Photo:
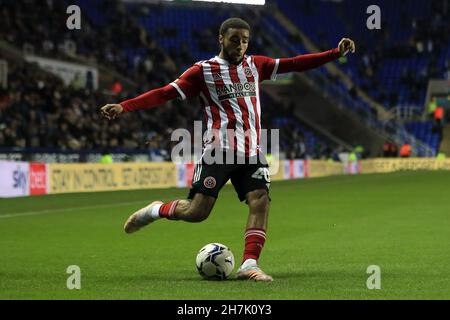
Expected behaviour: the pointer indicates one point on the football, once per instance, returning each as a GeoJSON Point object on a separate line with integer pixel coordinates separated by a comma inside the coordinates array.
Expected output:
{"type": "Point", "coordinates": [215, 261]}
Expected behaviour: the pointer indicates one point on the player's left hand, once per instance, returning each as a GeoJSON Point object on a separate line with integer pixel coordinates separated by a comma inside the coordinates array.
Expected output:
{"type": "Point", "coordinates": [346, 45]}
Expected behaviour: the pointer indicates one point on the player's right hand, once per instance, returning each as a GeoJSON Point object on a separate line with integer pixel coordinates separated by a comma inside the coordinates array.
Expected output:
{"type": "Point", "coordinates": [346, 45]}
{"type": "Point", "coordinates": [111, 111]}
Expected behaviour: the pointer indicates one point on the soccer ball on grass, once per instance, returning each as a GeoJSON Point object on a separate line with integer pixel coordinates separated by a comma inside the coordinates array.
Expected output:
{"type": "Point", "coordinates": [215, 261]}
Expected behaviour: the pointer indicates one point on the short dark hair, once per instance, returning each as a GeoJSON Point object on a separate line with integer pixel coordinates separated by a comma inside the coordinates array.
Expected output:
{"type": "Point", "coordinates": [236, 23]}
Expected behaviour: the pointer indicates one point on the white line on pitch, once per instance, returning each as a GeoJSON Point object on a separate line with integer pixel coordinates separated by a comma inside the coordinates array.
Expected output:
{"type": "Point", "coordinates": [32, 213]}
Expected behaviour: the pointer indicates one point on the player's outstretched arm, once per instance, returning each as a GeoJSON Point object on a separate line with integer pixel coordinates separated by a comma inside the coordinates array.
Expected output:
{"type": "Point", "coordinates": [147, 100]}
{"type": "Point", "coordinates": [315, 60]}
{"type": "Point", "coordinates": [268, 67]}
{"type": "Point", "coordinates": [187, 85]}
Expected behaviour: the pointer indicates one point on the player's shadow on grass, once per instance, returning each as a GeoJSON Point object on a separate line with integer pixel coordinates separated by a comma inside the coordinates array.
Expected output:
{"type": "Point", "coordinates": [317, 274]}
{"type": "Point", "coordinates": [196, 278]}
{"type": "Point", "coordinates": [284, 275]}
{"type": "Point", "coordinates": [156, 277]}
{"type": "Point", "coordinates": [293, 275]}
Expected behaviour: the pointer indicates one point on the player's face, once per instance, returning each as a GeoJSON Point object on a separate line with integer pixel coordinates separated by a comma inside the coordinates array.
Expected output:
{"type": "Point", "coordinates": [234, 44]}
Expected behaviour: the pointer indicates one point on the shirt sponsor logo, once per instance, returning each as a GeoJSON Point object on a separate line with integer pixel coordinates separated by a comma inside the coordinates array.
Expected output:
{"type": "Point", "coordinates": [236, 90]}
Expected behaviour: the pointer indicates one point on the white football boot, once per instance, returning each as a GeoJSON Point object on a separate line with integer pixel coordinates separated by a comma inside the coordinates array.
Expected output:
{"type": "Point", "coordinates": [249, 270]}
{"type": "Point", "coordinates": [142, 217]}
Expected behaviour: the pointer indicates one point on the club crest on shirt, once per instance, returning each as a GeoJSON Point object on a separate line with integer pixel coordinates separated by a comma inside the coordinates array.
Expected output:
{"type": "Point", "coordinates": [209, 182]}
{"type": "Point", "coordinates": [217, 77]}
{"type": "Point", "coordinates": [248, 71]}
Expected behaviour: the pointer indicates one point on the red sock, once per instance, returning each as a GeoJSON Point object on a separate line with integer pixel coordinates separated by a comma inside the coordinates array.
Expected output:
{"type": "Point", "coordinates": [254, 242]}
{"type": "Point", "coordinates": [166, 210]}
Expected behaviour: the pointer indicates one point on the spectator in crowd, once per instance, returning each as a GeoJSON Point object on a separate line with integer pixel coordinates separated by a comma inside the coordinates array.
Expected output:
{"type": "Point", "coordinates": [359, 151]}
{"type": "Point", "coordinates": [405, 150]}
{"type": "Point", "coordinates": [432, 105]}
{"type": "Point", "coordinates": [439, 116]}
{"type": "Point", "coordinates": [116, 87]}
{"type": "Point", "coordinates": [77, 82]}
{"type": "Point", "coordinates": [106, 157]}
{"type": "Point", "coordinates": [390, 149]}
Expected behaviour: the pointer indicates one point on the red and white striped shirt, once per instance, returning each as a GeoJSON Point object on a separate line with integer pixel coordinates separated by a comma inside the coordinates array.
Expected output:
{"type": "Point", "coordinates": [230, 94]}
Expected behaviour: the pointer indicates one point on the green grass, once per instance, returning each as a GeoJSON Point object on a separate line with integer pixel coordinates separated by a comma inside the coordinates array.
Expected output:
{"type": "Point", "coordinates": [323, 234]}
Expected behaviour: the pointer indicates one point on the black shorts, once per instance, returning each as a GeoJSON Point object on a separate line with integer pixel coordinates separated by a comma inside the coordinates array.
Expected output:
{"type": "Point", "coordinates": [252, 175]}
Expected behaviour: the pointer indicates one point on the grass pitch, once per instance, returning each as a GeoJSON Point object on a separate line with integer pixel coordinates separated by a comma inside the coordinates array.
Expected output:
{"type": "Point", "coordinates": [323, 234]}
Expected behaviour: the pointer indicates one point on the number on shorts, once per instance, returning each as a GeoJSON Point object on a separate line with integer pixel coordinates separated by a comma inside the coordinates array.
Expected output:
{"type": "Point", "coordinates": [262, 173]}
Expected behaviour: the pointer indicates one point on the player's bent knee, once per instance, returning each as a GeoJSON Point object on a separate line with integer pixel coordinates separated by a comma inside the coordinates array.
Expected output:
{"type": "Point", "coordinates": [199, 213]}
{"type": "Point", "coordinates": [200, 208]}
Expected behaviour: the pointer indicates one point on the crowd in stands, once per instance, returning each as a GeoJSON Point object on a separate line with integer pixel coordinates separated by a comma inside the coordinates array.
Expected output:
{"type": "Point", "coordinates": [394, 62]}
{"type": "Point", "coordinates": [98, 41]}
{"type": "Point", "coordinates": [38, 111]}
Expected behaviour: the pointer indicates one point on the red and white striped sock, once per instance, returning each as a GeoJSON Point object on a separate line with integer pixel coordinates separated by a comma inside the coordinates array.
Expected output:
{"type": "Point", "coordinates": [254, 242]}
{"type": "Point", "coordinates": [167, 209]}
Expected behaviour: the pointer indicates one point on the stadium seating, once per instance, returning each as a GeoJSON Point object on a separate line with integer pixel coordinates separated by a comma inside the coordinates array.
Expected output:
{"type": "Point", "coordinates": [188, 35]}
{"type": "Point", "coordinates": [424, 131]}
{"type": "Point", "coordinates": [394, 68]}
{"type": "Point", "coordinates": [202, 44]}
{"type": "Point", "coordinates": [391, 52]}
